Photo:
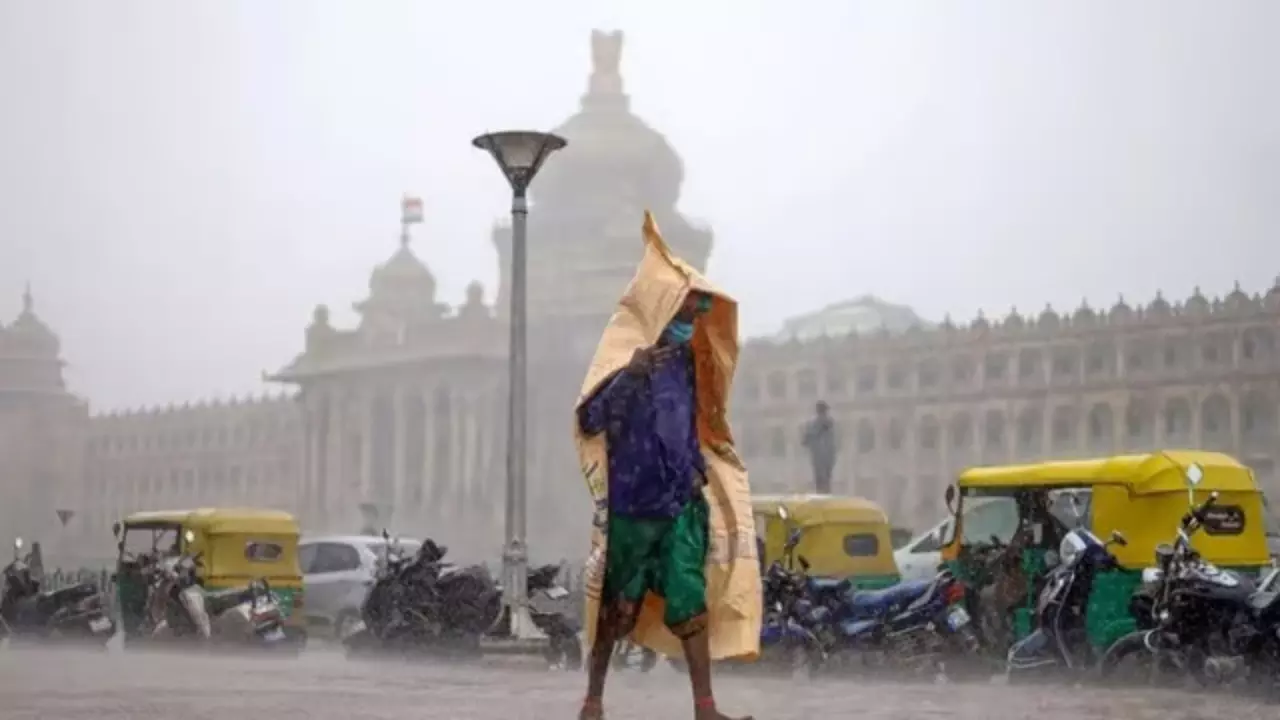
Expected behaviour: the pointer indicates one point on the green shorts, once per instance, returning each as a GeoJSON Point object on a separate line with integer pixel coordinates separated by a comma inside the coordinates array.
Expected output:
{"type": "Point", "coordinates": [666, 557]}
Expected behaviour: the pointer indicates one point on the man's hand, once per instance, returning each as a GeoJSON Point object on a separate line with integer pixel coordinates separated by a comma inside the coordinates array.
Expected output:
{"type": "Point", "coordinates": [644, 359]}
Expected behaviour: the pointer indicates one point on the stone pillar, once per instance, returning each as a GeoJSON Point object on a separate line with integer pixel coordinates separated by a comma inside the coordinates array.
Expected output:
{"type": "Point", "coordinates": [458, 455]}
{"type": "Point", "coordinates": [366, 405]}
{"type": "Point", "coordinates": [1233, 400]}
{"type": "Point", "coordinates": [1197, 430]}
{"type": "Point", "coordinates": [422, 495]}
{"type": "Point", "coordinates": [332, 479]}
{"type": "Point", "coordinates": [313, 449]}
{"type": "Point", "coordinates": [399, 404]}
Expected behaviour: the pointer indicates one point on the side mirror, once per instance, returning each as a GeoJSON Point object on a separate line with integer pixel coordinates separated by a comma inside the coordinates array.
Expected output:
{"type": "Point", "coordinates": [115, 528]}
{"type": "Point", "coordinates": [1118, 538]}
{"type": "Point", "coordinates": [784, 514]}
{"type": "Point", "coordinates": [189, 537]}
{"type": "Point", "coordinates": [950, 497]}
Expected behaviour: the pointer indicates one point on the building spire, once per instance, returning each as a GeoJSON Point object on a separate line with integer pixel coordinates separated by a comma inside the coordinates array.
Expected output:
{"type": "Point", "coordinates": [604, 87]}
{"type": "Point", "coordinates": [28, 304]}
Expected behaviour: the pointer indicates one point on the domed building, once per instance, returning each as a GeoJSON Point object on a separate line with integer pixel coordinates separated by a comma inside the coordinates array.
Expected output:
{"type": "Point", "coordinates": [42, 426]}
{"type": "Point", "coordinates": [403, 416]}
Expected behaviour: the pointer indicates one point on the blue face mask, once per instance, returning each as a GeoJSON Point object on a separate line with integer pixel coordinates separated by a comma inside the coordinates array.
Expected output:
{"type": "Point", "coordinates": [678, 333]}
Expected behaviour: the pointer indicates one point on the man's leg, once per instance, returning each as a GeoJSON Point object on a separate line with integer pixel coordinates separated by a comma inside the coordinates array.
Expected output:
{"type": "Point", "coordinates": [628, 575]}
{"type": "Point", "coordinates": [684, 587]}
{"type": "Point", "coordinates": [615, 620]}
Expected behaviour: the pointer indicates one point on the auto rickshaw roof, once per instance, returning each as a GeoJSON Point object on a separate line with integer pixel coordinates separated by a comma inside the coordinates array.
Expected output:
{"type": "Point", "coordinates": [817, 509]}
{"type": "Point", "coordinates": [1143, 474]}
{"type": "Point", "coordinates": [219, 521]}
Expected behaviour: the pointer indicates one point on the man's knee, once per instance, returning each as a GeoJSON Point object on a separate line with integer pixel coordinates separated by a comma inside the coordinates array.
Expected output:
{"type": "Point", "coordinates": [690, 627]}
{"type": "Point", "coordinates": [618, 618]}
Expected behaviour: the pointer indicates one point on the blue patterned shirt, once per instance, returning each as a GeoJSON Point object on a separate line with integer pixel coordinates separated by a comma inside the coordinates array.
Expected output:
{"type": "Point", "coordinates": [652, 434]}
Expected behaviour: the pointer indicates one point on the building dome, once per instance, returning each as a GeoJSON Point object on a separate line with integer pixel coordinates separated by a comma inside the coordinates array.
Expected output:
{"type": "Point", "coordinates": [860, 316]}
{"type": "Point", "coordinates": [28, 336]}
{"type": "Point", "coordinates": [403, 274]}
{"type": "Point", "coordinates": [609, 147]}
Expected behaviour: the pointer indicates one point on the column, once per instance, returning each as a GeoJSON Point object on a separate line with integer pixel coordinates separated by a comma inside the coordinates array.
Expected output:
{"type": "Point", "coordinates": [458, 453]}
{"type": "Point", "coordinates": [365, 404]}
{"type": "Point", "coordinates": [314, 444]}
{"type": "Point", "coordinates": [399, 404]}
{"type": "Point", "coordinates": [335, 472]}
{"type": "Point", "coordinates": [422, 495]}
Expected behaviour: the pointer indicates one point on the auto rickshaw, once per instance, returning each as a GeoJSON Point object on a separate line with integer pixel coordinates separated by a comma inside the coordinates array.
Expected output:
{"type": "Point", "coordinates": [843, 537]}
{"type": "Point", "coordinates": [236, 545]}
{"type": "Point", "coordinates": [1010, 520]}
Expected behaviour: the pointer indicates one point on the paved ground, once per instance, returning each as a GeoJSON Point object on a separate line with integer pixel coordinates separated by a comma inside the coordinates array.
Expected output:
{"type": "Point", "coordinates": [56, 684]}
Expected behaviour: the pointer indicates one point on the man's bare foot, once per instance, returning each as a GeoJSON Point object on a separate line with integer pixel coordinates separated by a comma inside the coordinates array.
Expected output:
{"type": "Point", "coordinates": [592, 710]}
{"type": "Point", "coordinates": [710, 713]}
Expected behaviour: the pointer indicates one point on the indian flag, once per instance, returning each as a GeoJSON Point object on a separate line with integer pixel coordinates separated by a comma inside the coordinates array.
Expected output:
{"type": "Point", "coordinates": [410, 210]}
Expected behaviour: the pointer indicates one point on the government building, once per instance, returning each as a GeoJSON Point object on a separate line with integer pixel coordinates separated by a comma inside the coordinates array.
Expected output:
{"type": "Point", "coordinates": [400, 420]}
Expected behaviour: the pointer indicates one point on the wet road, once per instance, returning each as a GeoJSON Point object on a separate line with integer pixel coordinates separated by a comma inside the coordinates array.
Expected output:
{"type": "Point", "coordinates": [321, 684]}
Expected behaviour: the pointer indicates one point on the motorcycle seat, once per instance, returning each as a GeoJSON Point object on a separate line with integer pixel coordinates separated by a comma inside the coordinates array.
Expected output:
{"type": "Point", "coordinates": [881, 601]}
{"type": "Point", "coordinates": [217, 602]}
{"type": "Point", "coordinates": [56, 599]}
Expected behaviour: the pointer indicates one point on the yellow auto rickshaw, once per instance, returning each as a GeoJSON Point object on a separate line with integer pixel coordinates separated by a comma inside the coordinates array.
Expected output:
{"type": "Point", "coordinates": [843, 537]}
{"type": "Point", "coordinates": [1009, 518]}
{"type": "Point", "coordinates": [236, 547]}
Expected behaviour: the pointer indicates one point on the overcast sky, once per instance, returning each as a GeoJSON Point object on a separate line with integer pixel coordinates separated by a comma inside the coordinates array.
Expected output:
{"type": "Point", "coordinates": [182, 182]}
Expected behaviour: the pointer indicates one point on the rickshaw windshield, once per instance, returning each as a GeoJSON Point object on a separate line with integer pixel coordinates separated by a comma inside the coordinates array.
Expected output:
{"type": "Point", "coordinates": [148, 539]}
{"type": "Point", "coordinates": [993, 515]}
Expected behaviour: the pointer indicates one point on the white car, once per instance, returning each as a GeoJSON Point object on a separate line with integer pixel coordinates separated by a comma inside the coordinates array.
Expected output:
{"type": "Point", "coordinates": [337, 571]}
{"type": "Point", "coordinates": [920, 557]}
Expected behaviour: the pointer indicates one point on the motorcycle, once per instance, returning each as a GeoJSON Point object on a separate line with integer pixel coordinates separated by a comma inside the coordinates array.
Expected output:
{"type": "Point", "coordinates": [179, 607]}
{"type": "Point", "coordinates": [75, 613]}
{"type": "Point", "coordinates": [1061, 638]}
{"type": "Point", "coordinates": [914, 626]}
{"type": "Point", "coordinates": [1198, 622]}
{"type": "Point", "coordinates": [553, 611]}
{"type": "Point", "coordinates": [422, 602]}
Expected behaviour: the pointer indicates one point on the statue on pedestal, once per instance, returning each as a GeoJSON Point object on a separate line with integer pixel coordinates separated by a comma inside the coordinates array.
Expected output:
{"type": "Point", "coordinates": [822, 442]}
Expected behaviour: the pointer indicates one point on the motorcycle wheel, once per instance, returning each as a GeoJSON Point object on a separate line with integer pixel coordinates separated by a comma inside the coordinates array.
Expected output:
{"type": "Point", "coordinates": [1131, 661]}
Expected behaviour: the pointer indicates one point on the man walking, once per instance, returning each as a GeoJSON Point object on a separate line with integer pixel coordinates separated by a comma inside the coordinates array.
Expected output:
{"type": "Point", "coordinates": [653, 508]}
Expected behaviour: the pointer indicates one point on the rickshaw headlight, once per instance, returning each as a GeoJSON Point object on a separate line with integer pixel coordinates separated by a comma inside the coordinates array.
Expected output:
{"type": "Point", "coordinates": [1070, 549]}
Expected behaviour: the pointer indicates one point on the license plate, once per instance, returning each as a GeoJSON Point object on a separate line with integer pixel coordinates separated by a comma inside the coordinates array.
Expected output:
{"type": "Point", "coordinates": [957, 618]}
{"type": "Point", "coordinates": [99, 625]}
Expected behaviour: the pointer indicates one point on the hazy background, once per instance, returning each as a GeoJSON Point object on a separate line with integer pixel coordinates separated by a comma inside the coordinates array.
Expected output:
{"type": "Point", "coordinates": [183, 181]}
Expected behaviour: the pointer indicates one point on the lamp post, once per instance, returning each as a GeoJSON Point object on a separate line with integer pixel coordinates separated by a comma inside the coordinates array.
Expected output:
{"type": "Point", "coordinates": [520, 155]}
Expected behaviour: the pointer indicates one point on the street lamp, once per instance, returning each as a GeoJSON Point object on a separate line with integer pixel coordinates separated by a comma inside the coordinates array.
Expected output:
{"type": "Point", "coordinates": [520, 155]}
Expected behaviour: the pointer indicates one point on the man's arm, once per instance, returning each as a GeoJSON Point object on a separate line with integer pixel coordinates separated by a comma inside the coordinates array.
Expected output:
{"type": "Point", "coordinates": [594, 414]}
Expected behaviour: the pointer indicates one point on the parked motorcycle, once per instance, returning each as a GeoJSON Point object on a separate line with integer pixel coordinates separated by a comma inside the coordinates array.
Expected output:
{"type": "Point", "coordinates": [914, 627]}
{"type": "Point", "coordinates": [179, 608]}
{"type": "Point", "coordinates": [421, 602]}
{"type": "Point", "coordinates": [555, 613]}
{"type": "Point", "coordinates": [73, 613]}
{"type": "Point", "coordinates": [1061, 637]}
{"type": "Point", "coordinates": [1198, 622]}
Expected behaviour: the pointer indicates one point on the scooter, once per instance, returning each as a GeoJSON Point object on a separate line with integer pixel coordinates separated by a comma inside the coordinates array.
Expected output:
{"type": "Point", "coordinates": [178, 606]}
{"type": "Point", "coordinates": [73, 613]}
